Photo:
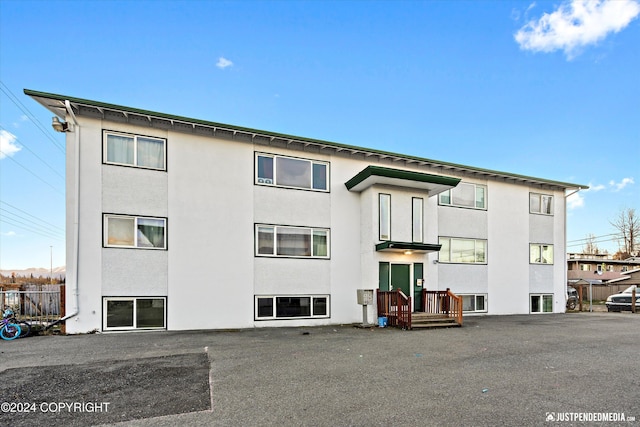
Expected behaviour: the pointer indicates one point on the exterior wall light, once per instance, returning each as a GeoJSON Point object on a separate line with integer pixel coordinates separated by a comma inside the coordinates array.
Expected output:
{"type": "Point", "coordinates": [59, 126]}
{"type": "Point", "coordinates": [408, 252]}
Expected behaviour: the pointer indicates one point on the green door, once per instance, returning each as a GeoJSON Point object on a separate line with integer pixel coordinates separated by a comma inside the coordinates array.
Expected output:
{"type": "Point", "coordinates": [383, 276]}
{"type": "Point", "coordinates": [401, 278]}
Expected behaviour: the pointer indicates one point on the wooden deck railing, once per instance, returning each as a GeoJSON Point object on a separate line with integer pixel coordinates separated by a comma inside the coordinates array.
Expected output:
{"type": "Point", "coordinates": [443, 302]}
{"type": "Point", "coordinates": [396, 307]}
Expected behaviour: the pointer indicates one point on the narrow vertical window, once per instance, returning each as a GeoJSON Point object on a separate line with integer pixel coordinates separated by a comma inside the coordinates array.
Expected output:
{"type": "Point", "coordinates": [265, 170]}
{"type": "Point", "coordinates": [385, 216]}
{"type": "Point", "coordinates": [418, 215]}
{"type": "Point", "coordinates": [319, 176]}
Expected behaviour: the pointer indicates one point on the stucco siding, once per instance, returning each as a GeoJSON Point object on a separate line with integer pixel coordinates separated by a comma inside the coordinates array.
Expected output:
{"type": "Point", "coordinates": [210, 230]}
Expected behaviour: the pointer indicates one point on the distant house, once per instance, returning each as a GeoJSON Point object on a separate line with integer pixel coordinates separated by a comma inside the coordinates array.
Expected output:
{"type": "Point", "coordinates": [179, 223]}
{"type": "Point", "coordinates": [600, 267]}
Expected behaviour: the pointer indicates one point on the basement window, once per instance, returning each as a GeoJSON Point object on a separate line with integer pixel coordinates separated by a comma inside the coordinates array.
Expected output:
{"type": "Point", "coordinates": [291, 306]}
{"type": "Point", "coordinates": [126, 313]}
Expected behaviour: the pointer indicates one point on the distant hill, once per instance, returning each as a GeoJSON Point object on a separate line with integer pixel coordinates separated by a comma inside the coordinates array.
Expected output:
{"type": "Point", "coordinates": [58, 272]}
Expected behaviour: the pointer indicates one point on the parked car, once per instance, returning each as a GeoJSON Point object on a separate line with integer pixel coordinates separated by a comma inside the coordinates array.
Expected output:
{"type": "Point", "coordinates": [622, 301]}
{"type": "Point", "coordinates": [572, 298]}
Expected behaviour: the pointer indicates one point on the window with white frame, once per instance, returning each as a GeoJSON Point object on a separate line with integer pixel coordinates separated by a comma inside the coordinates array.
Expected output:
{"type": "Point", "coordinates": [540, 204]}
{"type": "Point", "coordinates": [124, 231]}
{"type": "Point", "coordinates": [417, 218]}
{"type": "Point", "coordinates": [135, 150]}
{"type": "Point", "coordinates": [466, 251]}
{"type": "Point", "coordinates": [476, 303]}
{"type": "Point", "coordinates": [541, 303]}
{"type": "Point", "coordinates": [384, 215]}
{"type": "Point", "coordinates": [291, 172]}
{"type": "Point", "coordinates": [465, 195]}
{"type": "Point", "coordinates": [540, 253]}
{"type": "Point", "coordinates": [268, 307]}
{"type": "Point", "coordinates": [288, 241]}
{"type": "Point", "coordinates": [124, 313]}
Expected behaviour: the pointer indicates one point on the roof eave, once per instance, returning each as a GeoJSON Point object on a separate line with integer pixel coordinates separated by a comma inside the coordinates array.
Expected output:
{"type": "Point", "coordinates": [57, 108]}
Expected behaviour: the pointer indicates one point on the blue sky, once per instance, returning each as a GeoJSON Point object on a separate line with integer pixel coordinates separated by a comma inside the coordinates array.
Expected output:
{"type": "Point", "coordinates": [546, 89]}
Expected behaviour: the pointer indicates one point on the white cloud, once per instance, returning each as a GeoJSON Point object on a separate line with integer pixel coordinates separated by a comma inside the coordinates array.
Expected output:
{"type": "Point", "coordinates": [8, 146]}
{"type": "Point", "coordinates": [598, 187]}
{"type": "Point", "coordinates": [620, 185]}
{"type": "Point", "coordinates": [576, 24]}
{"type": "Point", "coordinates": [9, 234]}
{"type": "Point", "coordinates": [223, 63]}
{"type": "Point", "coordinates": [574, 201]}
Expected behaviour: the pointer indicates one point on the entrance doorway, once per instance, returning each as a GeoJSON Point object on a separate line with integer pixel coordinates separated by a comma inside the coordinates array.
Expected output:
{"type": "Point", "coordinates": [395, 276]}
{"type": "Point", "coordinates": [398, 276]}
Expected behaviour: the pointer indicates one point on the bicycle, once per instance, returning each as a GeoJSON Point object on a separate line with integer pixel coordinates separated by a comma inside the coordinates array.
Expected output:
{"type": "Point", "coordinates": [25, 327]}
{"type": "Point", "coordinates": [9, 330]}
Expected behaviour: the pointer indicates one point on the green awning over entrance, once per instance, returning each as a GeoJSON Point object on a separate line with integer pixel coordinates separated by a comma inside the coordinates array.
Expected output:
{"type": "Point", "coordinates": [433, 184]}
{"type": "Point", "coordinates": [407, 247]}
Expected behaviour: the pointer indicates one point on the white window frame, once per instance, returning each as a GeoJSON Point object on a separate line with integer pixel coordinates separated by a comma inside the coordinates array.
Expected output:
{"type": "Point", "coordinates": [540, 259]}
{"type": "Point", "coordinates": [475, 302]}
{"type": "Point", "coordinates": [540, 200]}
{"type": "Point", "coordinates": [450, 194]}
{"type": "Point", "coordinates": [275, 308]}
{"type": "Point", "coordinates": [384, 217]}
{"type": "Point", "coordinates": [272, 182]}
{"type": "Point", "coordinates": [136, 242]}
{"type": "Point", "coordinates": [105, 301]}
{"type": "Point", "coordinates": [541, 297]}
{"type": "Point", "coordinates": [417, 219]}
{"type": "Point", "coordinates": [135, 137]}
{"type": "Point", "coordinates": [275, 228]}
{"type": "Point", "coordinates": [446, 258]}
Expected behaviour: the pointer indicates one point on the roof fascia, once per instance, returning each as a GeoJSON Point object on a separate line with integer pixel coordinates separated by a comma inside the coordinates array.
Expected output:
{"type": "Point", "coordinates": [445, 166]}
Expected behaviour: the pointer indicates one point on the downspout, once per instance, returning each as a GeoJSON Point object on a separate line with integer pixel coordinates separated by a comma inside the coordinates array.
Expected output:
{"type": "Point", "coordinates": [566, 274]}
{"type": "Point", "coordinates": [76, 216]}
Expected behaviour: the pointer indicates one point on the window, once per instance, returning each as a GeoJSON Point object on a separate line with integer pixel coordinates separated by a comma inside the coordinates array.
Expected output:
{"type": "Point", "coordinates": [540, 254]}
{"type": "Point", "coordinates": [292, 172]}
{"type": "Point", "coordinates": [134, 150]}
{"type": "Point", "coordinates": [123, 231]}
{"type": "Point", "coordinates": [384, 203]}
{"type": "Point", "coordinates": [542, 303]}
{"type": "Point", "coordinates": [286, 241]}
{"type": "Point", "coordinates": [121, 313]}
{"type": "Point", "coordinates": [465, 195]}
{"type": "Point", "coordinates": [474, 303]}
{"type": "Point", "coordinates": [418, 214]}
{"type": "Point", "coordinates": [291, 306]}
{"type": "Point", "coordinates": [540, 204]}
{"type": "Point", "coordinates": [466, 251]}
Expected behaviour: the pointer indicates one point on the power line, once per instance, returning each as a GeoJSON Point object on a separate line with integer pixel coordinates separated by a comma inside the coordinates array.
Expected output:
{"type": "Point", "coordinates": [34, 228]}
{"type": "Point", "coordinates": [36, 155]}
{"type": "Point", "coordinates": [30, 115]}
{"type": "Point", "coordinates": [32, 216]}
{"type": "Point", "coordinates": [593, 237]}
{"type": "Point", "coordinates": [31, 172]}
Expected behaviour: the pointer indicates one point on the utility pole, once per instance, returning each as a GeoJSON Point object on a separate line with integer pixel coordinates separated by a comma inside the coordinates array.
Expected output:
{"type": "Point", "coordinates": [51, 266]}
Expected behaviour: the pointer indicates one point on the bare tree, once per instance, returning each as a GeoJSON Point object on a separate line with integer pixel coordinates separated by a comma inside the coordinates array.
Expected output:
{"type": "Point", "coordinates": [628, 225]}
{"type": "Point", "coordinates": [590, 246]}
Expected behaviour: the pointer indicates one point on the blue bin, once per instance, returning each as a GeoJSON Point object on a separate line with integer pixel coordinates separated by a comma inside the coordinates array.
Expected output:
{"type": "Point", "coordinates": [382, 322]}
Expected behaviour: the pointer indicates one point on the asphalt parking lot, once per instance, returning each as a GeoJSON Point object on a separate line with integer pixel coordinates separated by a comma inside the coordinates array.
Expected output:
{"type": "Point", "coordinates": [574, 369]}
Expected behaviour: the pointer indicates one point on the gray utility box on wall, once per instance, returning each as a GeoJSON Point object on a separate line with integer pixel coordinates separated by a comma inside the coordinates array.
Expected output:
{"type": "Point", "coordinates": [365, 298]}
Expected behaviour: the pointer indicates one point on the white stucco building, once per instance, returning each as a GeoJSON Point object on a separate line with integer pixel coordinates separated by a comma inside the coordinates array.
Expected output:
{"type": "Point", "coordinates": [180, 223]}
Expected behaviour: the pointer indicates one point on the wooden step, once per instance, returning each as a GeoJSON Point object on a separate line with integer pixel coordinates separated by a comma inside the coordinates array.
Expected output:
{"type": "Point", "coordinates": [427, 321]}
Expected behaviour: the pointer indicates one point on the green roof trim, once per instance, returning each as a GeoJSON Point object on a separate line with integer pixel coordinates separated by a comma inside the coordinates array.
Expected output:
{"type": "Point", "coordinates": [407, 246]}
{"type": "Point", "coordinates": [370, 171]}
{"type": "Point", "coordinates": [447, 165]}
